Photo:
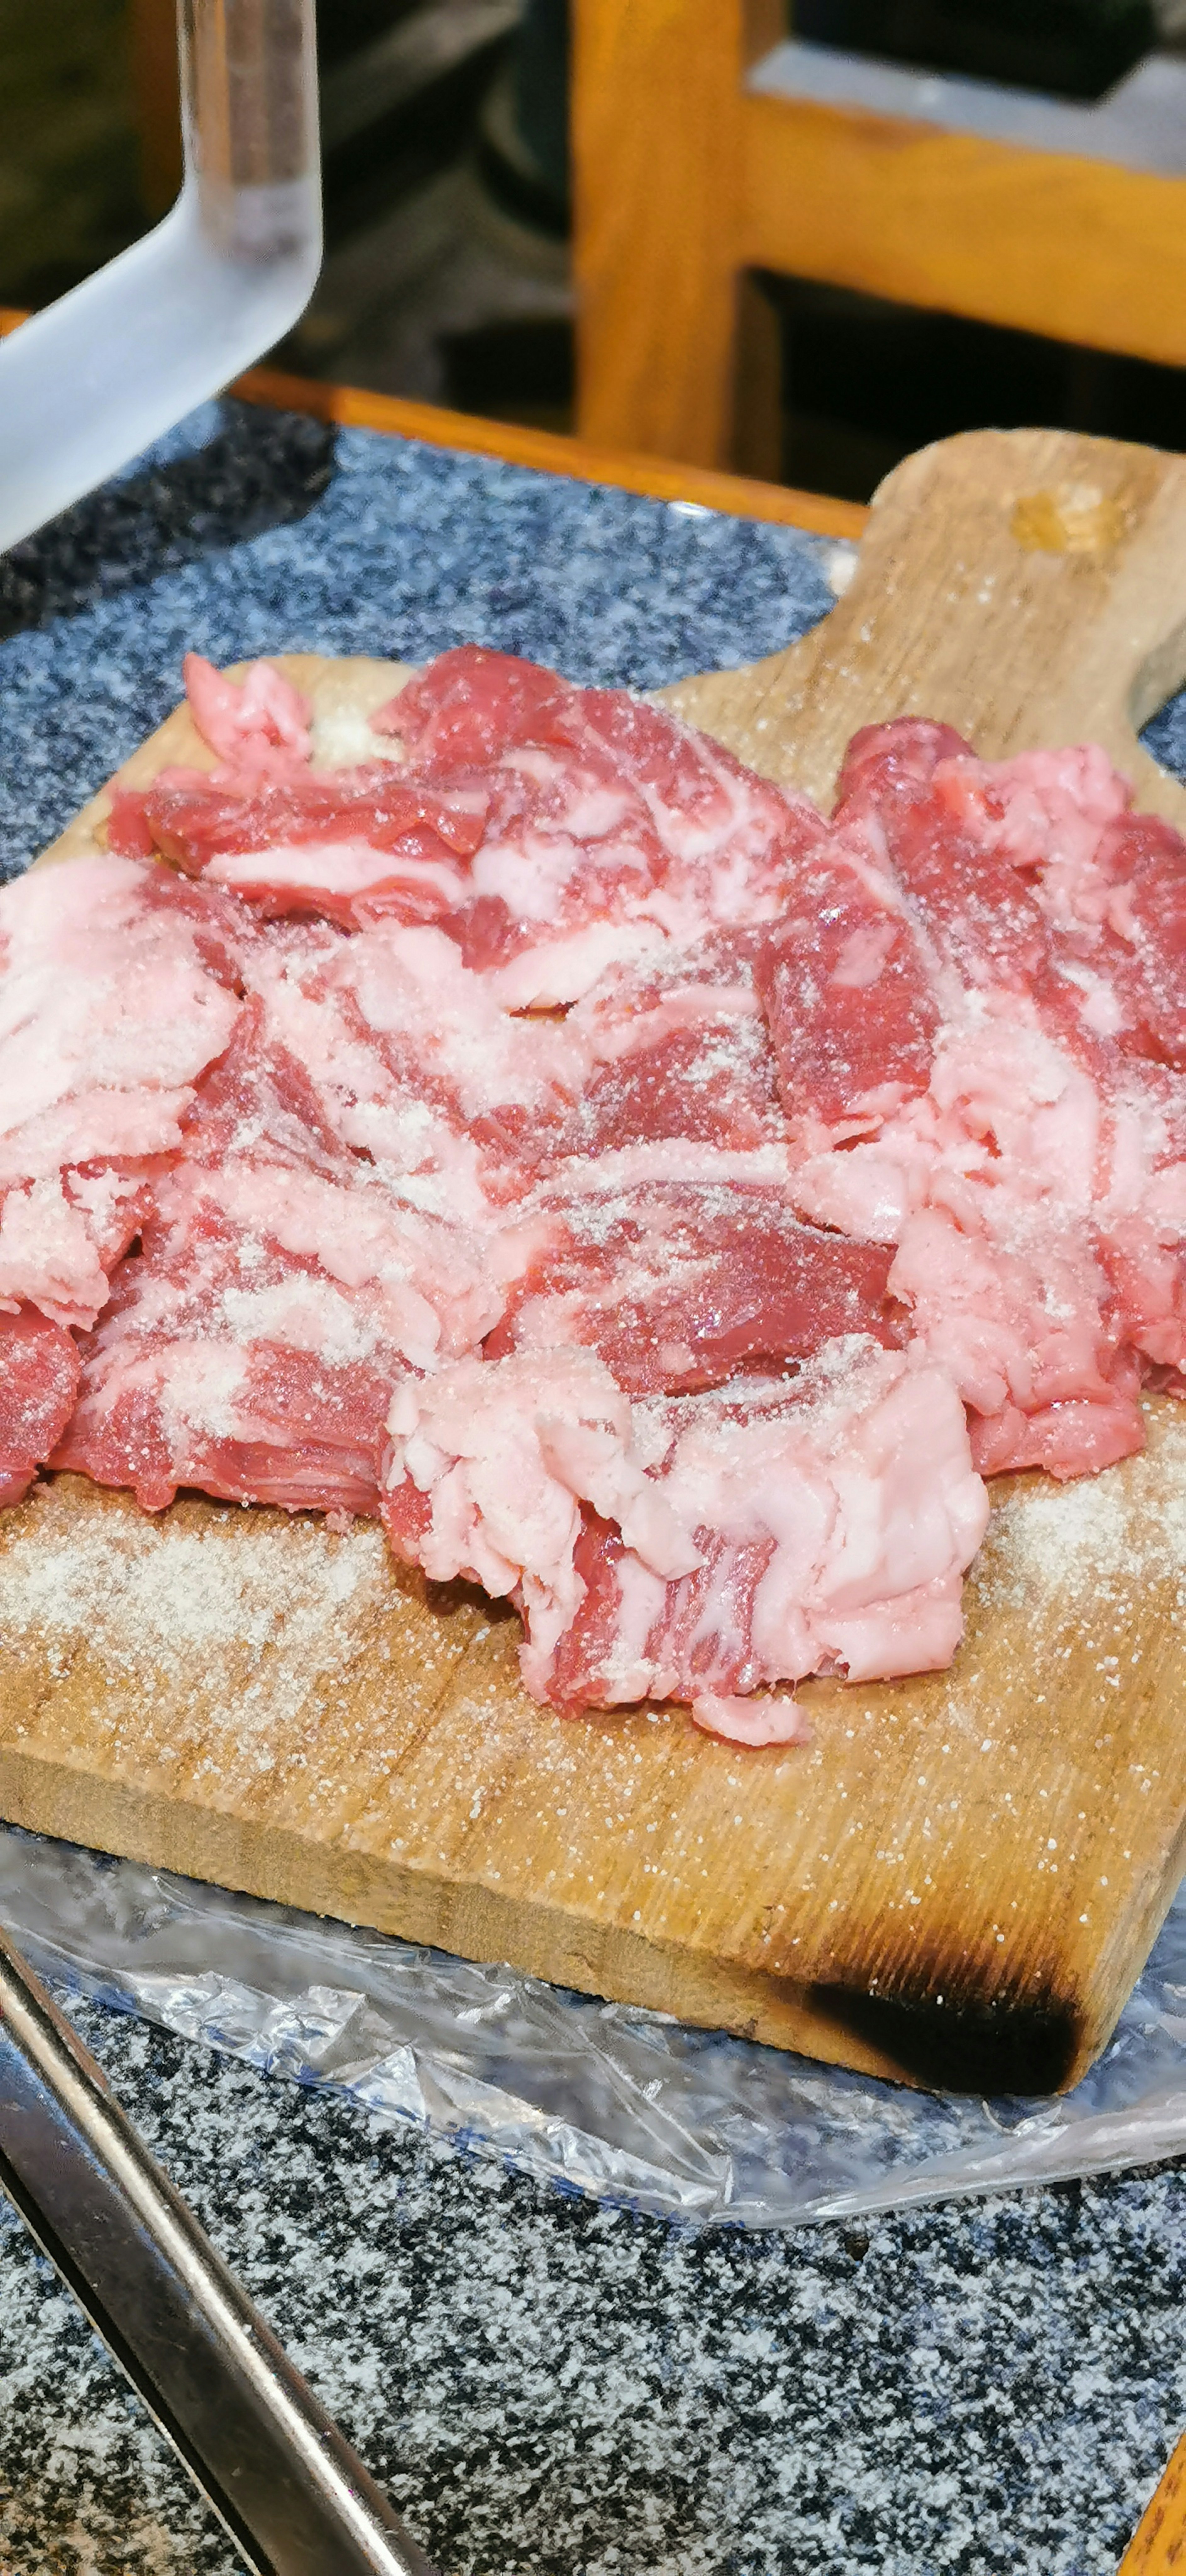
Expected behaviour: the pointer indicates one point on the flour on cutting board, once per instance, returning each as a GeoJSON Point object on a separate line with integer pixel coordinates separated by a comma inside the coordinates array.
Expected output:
{"type": "Point", "coordinates": [246, 1616]}
{"type": "Point", "coordinates": [243, 1615]}
{"type": "Point", "coordinates": [1110, 1535]}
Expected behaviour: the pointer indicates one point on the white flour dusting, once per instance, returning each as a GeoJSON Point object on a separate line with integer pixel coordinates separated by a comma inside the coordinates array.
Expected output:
{"type": "Point", "coordinates": [1113, 1533]}
{"type": "Point", "coordinates": [240, 1616]}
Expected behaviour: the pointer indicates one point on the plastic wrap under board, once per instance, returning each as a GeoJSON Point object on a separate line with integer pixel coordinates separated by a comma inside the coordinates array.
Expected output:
{"type": "Point", "coordinates": [627, 2105]}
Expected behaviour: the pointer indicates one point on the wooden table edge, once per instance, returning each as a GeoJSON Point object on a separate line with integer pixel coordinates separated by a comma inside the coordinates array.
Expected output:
{"type": "Point", "coordinates": [657, 478]}
{"type": "Point", "coordinates": [1158, 2545]}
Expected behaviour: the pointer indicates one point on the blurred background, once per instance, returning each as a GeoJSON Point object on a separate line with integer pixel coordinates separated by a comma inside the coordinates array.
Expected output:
{"type": "Point", "coordinates": [448, 269]}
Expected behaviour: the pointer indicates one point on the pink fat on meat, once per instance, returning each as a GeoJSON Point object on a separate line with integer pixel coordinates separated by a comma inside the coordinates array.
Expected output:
{"type": "Point", "coordinates": [966, 894]}
{"type": "Point", "coordinates": [679, 1048]}
{"type": "Point", "coordinates": [682, 1285]}
{"type": "Point", "coordinates": [988, 1186]}
{"type": "Point", "coordinates": [116, 993]}
{"type": "Point", "coordinates": [280, 1290]}
{"type": "Point", "coordinates": [613, 827]}
{"type": "Point", "coordinates": [39, 1372]}
{"type": "Point", "coordinates": [259, 726]}
{"type": "Point", "coordinates": [694, 1547]}
{"type": "Point", "coordinates": [415, 1066]}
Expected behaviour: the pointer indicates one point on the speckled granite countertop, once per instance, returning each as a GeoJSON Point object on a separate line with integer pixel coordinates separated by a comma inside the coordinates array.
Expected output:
{"type": "Point", "coordinates": [548, 2389]}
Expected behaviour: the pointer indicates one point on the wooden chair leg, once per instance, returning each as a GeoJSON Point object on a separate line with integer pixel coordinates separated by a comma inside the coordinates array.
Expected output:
{"type": "Point", "coordinates": [656, 124]}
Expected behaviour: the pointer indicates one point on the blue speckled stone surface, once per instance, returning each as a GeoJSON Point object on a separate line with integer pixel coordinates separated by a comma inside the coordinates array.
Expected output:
{"type": "Point", "coordinates": [255, 532]}
{"type": "Point", "coordinates": [548, 2389]}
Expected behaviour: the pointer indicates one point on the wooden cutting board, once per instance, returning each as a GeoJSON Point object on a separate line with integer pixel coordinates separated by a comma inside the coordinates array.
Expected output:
{"type": "Point", "coordinates": [960, 1879]}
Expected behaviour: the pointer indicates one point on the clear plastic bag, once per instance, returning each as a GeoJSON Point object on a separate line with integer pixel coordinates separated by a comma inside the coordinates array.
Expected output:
{"type": "Point", "coordinates": [626, 2105]}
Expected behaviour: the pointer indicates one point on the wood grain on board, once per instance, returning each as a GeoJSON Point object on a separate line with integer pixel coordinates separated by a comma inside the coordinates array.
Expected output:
{"type": "Point", "coordinates": [960, 1878]}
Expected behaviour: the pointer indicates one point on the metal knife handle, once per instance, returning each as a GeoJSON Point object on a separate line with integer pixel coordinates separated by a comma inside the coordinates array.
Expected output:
{"type": "Point", "coordinates": [288, 2488]}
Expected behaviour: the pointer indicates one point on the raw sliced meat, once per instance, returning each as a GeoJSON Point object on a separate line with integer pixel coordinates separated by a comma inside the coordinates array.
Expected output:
{"type": "Point", "coordinates": [988, 1185]}
{"type": "Point", "coordinates": [1111, 884]}
{"type": "Point", "coordinates": [1049, 813]}
{"type": "Point", "coordinates": [826, 1543]}
{"type": "Point", "coordinates": [1140, 1217]}
{"type": "Point", "coordinates": [1012, 1154]}
{"type": "Point", "coordinates": [470, 705]}
{"type": "Point", "coordinates": [683, 1287]}
{"type": "Point", "coordinates": [260, 1103]}
{"type": "Point", "coordinates": [115, 994]}
{"type": "Point", "coordinates": [39, 1372]}
{"type": "Point", "coordinates": [210, 1371]}
{"type": "Point", "coordinates": [251, 1346]}
{"type": "Point", "coordinates": [416, 1067]}
{"type": "Point", "coordinates": [553, 830]}
{"type": "Point", "coordinates": [678, 1047]}
{"type": "Point", "coordinates": [694, 1546]}
{"type": "Point", "coordinates": [612, 828]}
{"type": "Point", "coordinates": [281, 1289]}
{"type": "Point", "coordinates": [857, 1164]}
{"type": "Point", "coordinates": [360, 845]}
{"type": "Point", "coordinates": [968, 895]}
{"type": "Point", "coordinates": [1022, 1329]}
{"type": "Point", "coordinates": [849, 994]}
{"type": "Point", "coordinates": [1140, 955]}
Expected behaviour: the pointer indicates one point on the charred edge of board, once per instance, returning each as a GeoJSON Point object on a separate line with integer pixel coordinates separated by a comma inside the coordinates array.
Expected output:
{"type": "Point", "coordinates": [957, 2040]}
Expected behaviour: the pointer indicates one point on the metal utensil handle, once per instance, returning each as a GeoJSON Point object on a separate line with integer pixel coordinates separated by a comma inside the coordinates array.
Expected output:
{"type": "Point", "coordinates": [92, 380]}
{"type": "Point", "coordinates": [289, 2489]}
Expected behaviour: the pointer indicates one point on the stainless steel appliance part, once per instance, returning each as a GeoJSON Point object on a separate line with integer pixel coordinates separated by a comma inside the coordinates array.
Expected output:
{"type": "Point", "coordinates": [91, 381]}
{"type": "Point", "coordinates": [288, 2488]}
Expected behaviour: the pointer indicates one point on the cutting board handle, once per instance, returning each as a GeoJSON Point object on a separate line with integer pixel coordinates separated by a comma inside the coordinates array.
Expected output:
{"type": "Point", "coordinates": [1027, 586]}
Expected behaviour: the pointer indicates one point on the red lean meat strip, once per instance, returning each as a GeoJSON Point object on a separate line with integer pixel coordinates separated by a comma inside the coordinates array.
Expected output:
{"type": "Point", "coordinates": [968, 895]}
{"type": "Point", "coordinates": [39, 1370]}
{"type": "Point", "coordinates": [681, 1286]}
{"type": "Point", "coordinates": [678, 1048]}
{"type": "Point", "coordinates": [854, 1028]}
{"type": "Point", "coordinates": [695, 1547]}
